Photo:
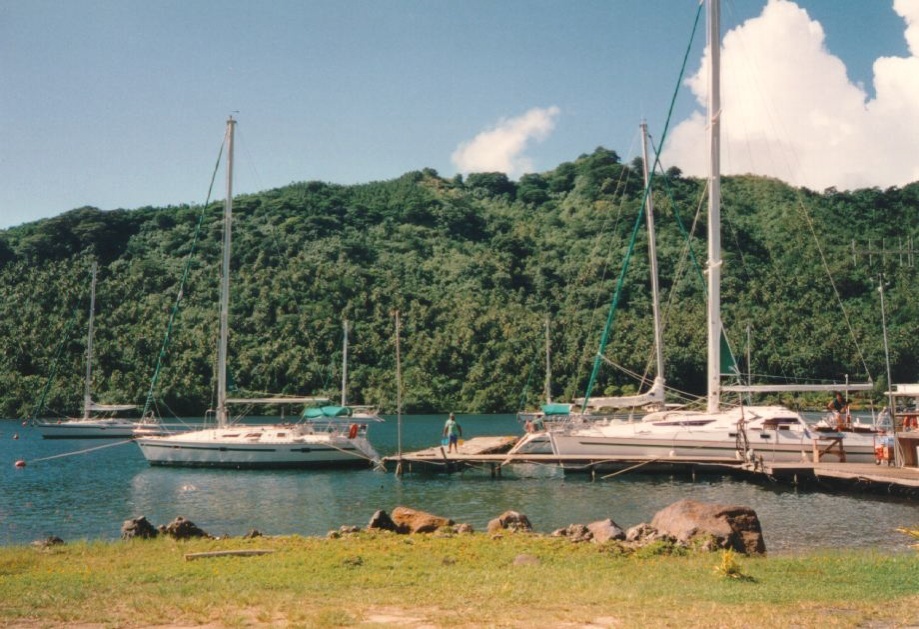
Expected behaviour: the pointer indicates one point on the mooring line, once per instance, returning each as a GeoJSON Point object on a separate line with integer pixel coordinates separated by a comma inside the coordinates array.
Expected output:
{"type": "Point", "coordinates": [58, 456]}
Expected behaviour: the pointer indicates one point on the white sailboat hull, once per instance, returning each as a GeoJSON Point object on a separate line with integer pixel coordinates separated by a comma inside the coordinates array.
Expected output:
{"type": "Point", "coordinates": [775, 435]}
{"type": "Point", "coordinates": [259, 447]}
{"type": "Point", "coordinates": [105, 428]}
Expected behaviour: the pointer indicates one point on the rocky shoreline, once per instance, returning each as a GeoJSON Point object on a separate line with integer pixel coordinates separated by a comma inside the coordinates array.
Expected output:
{"type": "Point", "coordinates": [687, 524]}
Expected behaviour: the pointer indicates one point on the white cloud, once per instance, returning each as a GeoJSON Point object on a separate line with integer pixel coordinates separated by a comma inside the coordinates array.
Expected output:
{"type": "Point", "coordinates": [501, 149]}
{"type": "Point", "coordinates": [790, 111]}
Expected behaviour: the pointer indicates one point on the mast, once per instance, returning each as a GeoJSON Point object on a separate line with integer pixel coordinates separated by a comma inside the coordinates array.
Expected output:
{"type": "Point", "coordinates": [548, 365]}
{"type": "Point", "coordinates": [891, 400]}
{"type": "Point", "coordinates": [87, 386]}
{"type": "Point", "coordinates": [714, 207]}
{"type": "Point", "coordinates": [222, 413]}
{"type": "Point", "coordinates": [398, 393]}
{"type": "Point", "coordinates": [652, 255]}
{"type": "Point", "coordinates": [344, 367]}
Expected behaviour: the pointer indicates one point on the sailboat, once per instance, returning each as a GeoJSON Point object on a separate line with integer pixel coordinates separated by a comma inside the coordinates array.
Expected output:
{"type": "Point", "coordinates": [99, 421]}
{"type": "Point", "coordinates": [561, 417]}
{"type": "Point", "coordinates": [760, 433]}
{"type": "Point", "coordinates": [323, 442]}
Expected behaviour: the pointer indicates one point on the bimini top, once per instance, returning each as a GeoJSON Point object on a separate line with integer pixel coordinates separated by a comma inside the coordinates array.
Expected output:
{"type": "Point", "coordinates": [325, 412]}
{"type": "Point", "coordinates": [556, 409]}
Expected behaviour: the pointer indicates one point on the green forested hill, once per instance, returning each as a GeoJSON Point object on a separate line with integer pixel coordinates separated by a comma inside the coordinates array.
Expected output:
{"type": "Point", "coordinates": [475, 266]}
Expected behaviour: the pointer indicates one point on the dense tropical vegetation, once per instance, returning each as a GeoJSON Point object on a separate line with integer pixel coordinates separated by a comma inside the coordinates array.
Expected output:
{"type": "Point", "coordinates": [475, 266]}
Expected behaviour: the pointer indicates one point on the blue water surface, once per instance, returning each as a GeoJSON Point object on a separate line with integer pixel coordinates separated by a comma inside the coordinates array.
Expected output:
{"type": "Point", "coordinates": [88, 495]}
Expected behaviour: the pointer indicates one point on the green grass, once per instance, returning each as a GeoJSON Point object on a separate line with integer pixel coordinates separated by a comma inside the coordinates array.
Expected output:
{"type": "Point", "coordinates": [369, 580]}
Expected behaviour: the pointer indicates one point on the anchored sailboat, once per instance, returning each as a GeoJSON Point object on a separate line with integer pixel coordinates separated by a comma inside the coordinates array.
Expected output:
{"type": "Point", "coordinates": [768, 433]}
{"type": "Point", "coordinates": [99, 421]}
{"type": "Point", "coordinates": [323, 442]}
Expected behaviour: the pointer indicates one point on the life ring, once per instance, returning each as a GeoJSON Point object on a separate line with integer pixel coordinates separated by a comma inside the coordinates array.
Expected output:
{"type": "Point", "coordinates": [352, 431]}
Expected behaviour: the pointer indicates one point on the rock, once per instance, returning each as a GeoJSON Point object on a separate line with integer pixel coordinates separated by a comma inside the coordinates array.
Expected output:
{"type": "Point", "coordinates": [418, 521]}
{"type": "Point", "coordinates": [574, 532]}
{"type": "Point", "coordinates": [252, 534]}
{"type": "Point", "coordinates": [641, 533]}
{"type": "Point", "coordinates": [464, 528]}
{"type": "Point", "coordinates": [380, 520]}
{"type": "Point", "coordinates": [348, 529]}
{"type": "Point", "coordinates": [51, 540]}
{"type": "Point", "coordinates": [138, 528]}
{"type": "Point", "coordinates": [182, 528]}
{"type": "Point", "coordinates": [510, 521]}
{"type": "Point", "coordinates": [605, 530]}
{"type": "Point", "coordinates": [728, 526]}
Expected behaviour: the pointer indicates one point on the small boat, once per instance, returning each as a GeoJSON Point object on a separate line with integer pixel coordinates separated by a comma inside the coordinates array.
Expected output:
{"type": "Point", "coordinates": [329, 439]}
{"type": "Point", "coordinates": [99, 421]}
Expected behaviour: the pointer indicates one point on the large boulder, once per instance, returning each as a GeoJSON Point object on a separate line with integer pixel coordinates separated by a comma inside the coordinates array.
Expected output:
{"type": "Point", "coordinates": [418, 521]}
{"type": "Point", "coordinates": [726, 526]}
{"type": "Point", "coordinates": [605, 530]}
{"type": "Point", "coordinates": [182, 528]}
{"type": "Point", "coordinates": [510, 521]}
{"type": "Point", "coordinates": [381, 521]}
{"type": "Point", "coordinates": [138, 528]}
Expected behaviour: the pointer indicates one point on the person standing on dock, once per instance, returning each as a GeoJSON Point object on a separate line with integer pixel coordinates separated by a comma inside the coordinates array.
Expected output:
{"type": "Point", "coordinates": [452, 431]}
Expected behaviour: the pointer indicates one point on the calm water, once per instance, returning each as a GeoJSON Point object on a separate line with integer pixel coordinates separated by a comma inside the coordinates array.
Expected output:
{"type": "Point", "coordinates": [89, 495]}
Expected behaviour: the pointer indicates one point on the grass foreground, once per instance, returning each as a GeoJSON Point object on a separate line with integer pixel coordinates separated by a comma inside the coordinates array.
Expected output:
{"type": "Point", "coordinates": [471, 580]}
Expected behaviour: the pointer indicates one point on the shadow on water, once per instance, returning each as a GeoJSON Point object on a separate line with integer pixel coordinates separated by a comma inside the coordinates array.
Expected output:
{"type": "Point", "coordinates": [90, 495]}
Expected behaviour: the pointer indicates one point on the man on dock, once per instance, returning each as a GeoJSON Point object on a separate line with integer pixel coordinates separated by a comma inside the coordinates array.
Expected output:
{"type": "Point", "coordinates": [452, 431]}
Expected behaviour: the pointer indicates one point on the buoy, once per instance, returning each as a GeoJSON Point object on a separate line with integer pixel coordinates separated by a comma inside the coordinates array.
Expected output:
{"type": "Point", "coordinates": [20, 463]}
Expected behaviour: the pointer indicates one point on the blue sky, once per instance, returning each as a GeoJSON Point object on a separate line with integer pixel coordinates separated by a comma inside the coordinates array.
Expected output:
{"type": "Point", "coordinates": [122, 103]}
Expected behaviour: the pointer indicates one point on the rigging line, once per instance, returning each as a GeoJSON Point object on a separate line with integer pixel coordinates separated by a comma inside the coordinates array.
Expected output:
{"type": "Point", "coordinates": [602, 236]}
{"type": "Point", "coordinates": [682, 394]}
{"type": "Point", "coordinates": [646, 192]}
{"type": "Point", "coordinates": [615, 302]}
{"type": "Point", "coordinates": [60, 456]}
{"type": "Point", "coordinates": [826, 268]}
{"type": "Point", "coordinates": [55, 363]}
{"type": "Point", "coordinates": [185, 273]}
{"type": "Point", "coordinates": [300, 310]}
{"type": "Point", "coordinates": [809, 220]}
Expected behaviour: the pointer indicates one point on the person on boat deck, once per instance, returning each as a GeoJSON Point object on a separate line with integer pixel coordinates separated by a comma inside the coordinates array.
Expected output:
{"type": "Point", "coordinates": [538, 424]}
{"type": "Point", "coordinates": [838, 404]}
{"type": "Point", "coordinates": [452, 431]}
{"type": "Point", "coordinates": [840, 409]}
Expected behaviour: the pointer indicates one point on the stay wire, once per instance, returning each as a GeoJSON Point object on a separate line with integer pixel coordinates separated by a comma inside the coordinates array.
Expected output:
{"type": "Point", "coordinates": [185, 273]}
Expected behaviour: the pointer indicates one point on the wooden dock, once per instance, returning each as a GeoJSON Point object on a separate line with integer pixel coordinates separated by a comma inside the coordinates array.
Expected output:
{"type": "Point", "coordinates": [845, 477]}
{"type": "Point", "coordinates": [490, 454]}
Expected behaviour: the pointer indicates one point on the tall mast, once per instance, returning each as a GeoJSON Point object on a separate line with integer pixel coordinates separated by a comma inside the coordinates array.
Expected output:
{"type": "Point", "coordinates": [652, 256]}
{"type": "Point", "coordinates": [548, 365]}
{"type": "Point", "coordinates": [222, 414]}
{"type": "Point", "coordinates": [344, 367]}
{"type": "Point", "coordinates": [87, 385]}
{"type": "Point", "coordinates": [714, 207]}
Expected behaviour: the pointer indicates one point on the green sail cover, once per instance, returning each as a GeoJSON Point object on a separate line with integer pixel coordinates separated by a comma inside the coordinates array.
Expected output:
{"type": "Point", "coordinates": [728, 362]}
{"type": "Point", "coordinates": [556, 409]}
{"type": "Point", "coordinates": [325, 412]}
